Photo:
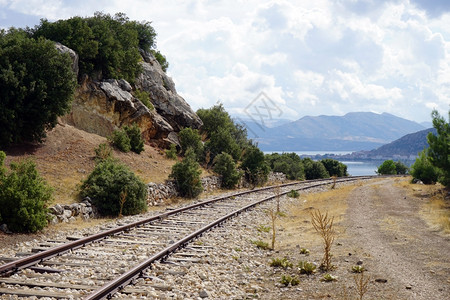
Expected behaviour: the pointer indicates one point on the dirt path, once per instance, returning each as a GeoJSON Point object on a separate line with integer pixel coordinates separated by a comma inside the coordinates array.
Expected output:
{"type": "Point", "coordinates": [385, 230]}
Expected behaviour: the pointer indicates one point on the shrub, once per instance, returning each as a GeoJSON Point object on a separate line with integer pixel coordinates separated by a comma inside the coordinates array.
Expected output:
{"type": "Point", "coordinates": [289, 164]}
{"type": "Point", "coordinates": [107, 182]}
{"type": "Point", "coordinates": [281, 263]}
{"type": "Point", "coordinates": [293, 194]}
{"type": "Point", "coordinates": [263, 228]}
{"type": "Point", "coordinates": [358, 269]}
{"type": "Point", "coordinates": [387, 168]}
{"type": "Point", "coordinates": [304, 251]}
{"type": "Point", "coordinates": [102, 152]}
{"type": "Point", "coordinates": [190, 138]}
{"type": "Point", "coordinates": [314, 169]}
{"type": "Point", "coordinates": [134, 134]}
{"type": "Point", "coordinates": [287, 280]}
{"type": "Point", "coordinates": [224, 166]}
{"type": "Point", "coordinates": [401, 168]}
{"type": "Point", "coordinates": [334, 167]}
{"type": "Point", "coordinates": [144, 97]}
{"type": "Point", "coordinates": [306, 267]}
{"type": "Point", "coordinates": [261, 245]}
{"type": "Point", "coordinates": [423, 170]}
{"type": "Point", "coordinates": [171, 153]}
{"type": "Point", "coordinates": [254, 166]}
{"type": "Point", "coordinates": [23, 197]}
{"type": "Point", "coordinates": [161, 59]}
{"type": "Point", "coordinates": [328, 278]}
{"type": "Point", "coordinates": [36, 86]}
{"type": "Point", "coordinates": [120, 140]}
{"type": "Point", "coordinates": [187, 176]}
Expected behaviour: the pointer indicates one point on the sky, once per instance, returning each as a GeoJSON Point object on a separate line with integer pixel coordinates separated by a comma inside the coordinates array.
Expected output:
{"type": "Point", "coordinates": [288, 59]}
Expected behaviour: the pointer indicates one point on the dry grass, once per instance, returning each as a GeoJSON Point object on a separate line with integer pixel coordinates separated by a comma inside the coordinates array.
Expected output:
{"type": "Point", "coordinates": [435, 209]}
{"type": "Point", "coordinates": [66, 158]}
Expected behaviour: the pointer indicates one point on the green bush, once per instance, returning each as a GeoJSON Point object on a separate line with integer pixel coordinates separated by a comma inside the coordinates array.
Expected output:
{"type": "Point", "coordinates": [190, 138]}
{"type": "Point", "coordinates": [120, 140]}
{"type": "Point", "coordinates": [314, 169]}
{"type": "Point", "coordinates": [224, 166]}
{"type": "Point", "coordinates": [36, 86]}
{"type": "Point", "coordinates": [401, 168]}
{"type": "Point", "coordinates": [387, 168]}
{"type": "Point", "coordinates": [171, 153]}
{"type": "Point", "coordinates": [261, 245]}
{"type": "Point", "coordinates": [289, 164]}
{"type": "Point", "coordinates": [23, 197]}
{"type": "Point", "coordinates": [334, 167]}
{"type": "Point", "coordinates": [187, 176]}
{"type": "Point", "coordinates": [134, 134]}
{"type": "Point", "coordinates": [423, 170]}
{"type": "Point", "coordinates": [281, 263]}
{"type": "Point", "coordinates": [255, 166]}
{"type": "Point", "coordinates": [293, 194]}
{"type": "Point", "coordinates": [287, 280]}
{"type": "Point", "coordinates": [144, 97]}
{"type": "Point", "coordinates": [306, 267]}
{"type": "Point", "coordinates": [161, 59]}
{"type": "Point", "coordinates": [107, 182]}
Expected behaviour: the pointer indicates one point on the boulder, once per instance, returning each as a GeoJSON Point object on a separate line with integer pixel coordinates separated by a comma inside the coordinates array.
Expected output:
{"type": "Point", "coordinates": [73, 55]}
{"type": "Point", "coordinates": [161, 88]}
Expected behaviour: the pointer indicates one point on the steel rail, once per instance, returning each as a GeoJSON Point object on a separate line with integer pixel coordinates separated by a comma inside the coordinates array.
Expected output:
{"type": "Point", "coordinates": [107, 290]}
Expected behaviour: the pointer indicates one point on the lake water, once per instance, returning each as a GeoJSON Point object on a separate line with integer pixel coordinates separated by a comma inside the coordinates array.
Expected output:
{"type": "Point", "coordinates": [354, 168]}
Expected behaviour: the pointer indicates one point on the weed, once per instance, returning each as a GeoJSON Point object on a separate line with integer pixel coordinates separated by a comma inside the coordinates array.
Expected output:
{"type": "Point", "coordinates": [362, 284]}
{"type": "Point", "coordinates": [237, 249]}
{"type": "Point", "coordinates": [122, 200]}
{"type": "Point", "coordinates": [235, 257]}
{"type": "Point", "coordinates": [198, 243]}
{"type": "Point", "coordinates": [358, 269]}
{"type": "Point", "coordinates": [334, 181]}
{"type": "Point", "coordinates": [171, 153]}
{"type": "Point", "coordinates": [273, 217]}
{"type": "Point", "coordinates": [293, 194]}
{"type": "Point", "coordinates": [328, 278]}
{"type": "Point", "coordinates": [281, 263]}
{"type": "Point", "coordinates": [288, 279]}
{"type": "Point", "coordinates": [306, 267]}
{"type": "Point", "coordinates": [262, 228]}
{"type": "Point", "coordinates": [324, 226]}
{"type": "Point", "coordinates": [103, 152]}
{"type": "Point", "coordinates": [304, 251]}
{"type": "Point", "coordinates": [277, 191]}
{"type": "Point", "coordinates": [261, 245]}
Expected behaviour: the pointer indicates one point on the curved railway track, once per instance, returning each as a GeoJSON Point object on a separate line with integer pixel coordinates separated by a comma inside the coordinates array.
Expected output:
{"type": "Point", "coordinates": [97, 266]}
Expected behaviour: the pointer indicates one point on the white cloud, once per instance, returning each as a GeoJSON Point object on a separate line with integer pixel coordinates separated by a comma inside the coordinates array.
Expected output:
{"type": "Point", "coordinates": [310, 57]}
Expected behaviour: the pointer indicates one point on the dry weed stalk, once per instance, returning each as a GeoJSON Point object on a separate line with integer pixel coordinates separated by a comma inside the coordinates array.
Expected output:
{"type": "Point", "coordinates": [324, 226]}
{"type": "Point", "coordinates": [277, 191]}
{"type": "Point", "coordinates": [273, 217]}
{"type": "Point", "coordinates": [122, 200]}
{"type": "Point", "coordinates": [362, 284]}
{"type": "Point", "coordinates": [334, 177]}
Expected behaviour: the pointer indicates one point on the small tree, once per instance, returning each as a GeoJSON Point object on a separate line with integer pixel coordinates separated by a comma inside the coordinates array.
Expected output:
{"type": "Point", "coordinates": [439, 150]}
{"type": "Point", "coordinates": [187, 176]}
{"type": "Point", "coordinates": [400, 168]}
{"type": "Point", "coordinates": [423, 170]}
{"type": "Point", "coordinates": [106, 184]}
{"type": "Point", "coordinates": [254, 165]}
{"type": "Point", "coordinates": [120, 140]}
{"type": "Point", "coordinates": [190, 138]}
{"type": "Point", "coordinates": [23, 197]}
{"type": "Point", "coordinates": [134, 134]}
{"type": "Point", "coordinates": [387, 168]}
{"type": "Point", "coordinates": [224, 166]}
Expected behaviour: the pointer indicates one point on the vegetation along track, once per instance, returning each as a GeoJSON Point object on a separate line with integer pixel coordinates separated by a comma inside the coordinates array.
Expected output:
{"type": "Point", "coordinates": [97, 266]}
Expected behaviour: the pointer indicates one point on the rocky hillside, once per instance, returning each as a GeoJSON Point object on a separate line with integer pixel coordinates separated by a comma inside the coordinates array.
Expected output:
{"type": "Point", "coordinates": [100, 107]}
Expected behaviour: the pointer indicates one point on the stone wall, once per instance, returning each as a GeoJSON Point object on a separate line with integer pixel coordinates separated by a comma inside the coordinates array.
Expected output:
{"type": "Point", "coordinates": [69, 213]}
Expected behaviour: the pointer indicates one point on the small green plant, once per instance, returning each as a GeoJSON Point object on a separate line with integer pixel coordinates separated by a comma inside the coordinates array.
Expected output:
{"type": "Point", "coordinates": [358, 269]}
{"type": "Point", "coordinates": [306, 267]}
{"type": "Point", "coordinates": [144, 97]}
{"type": "Point", "coordinates": [281, 263]}
{"type": "Point", "coordinates": [120, 140]}
{"type": "Point", "coordinates": [134, 134]}
{"type": "Point", "coordinates": [328, 277]}
{"type": "Point", "coordinates": [187, 176]}
{"type": "Point", "coordinates": [263, 228]}
{"type": "Point", "coordinates": [261, 245]}
{"type": "Point", "coordinates": [304, 251]}
{"type": "Point", "coordinates": [102, 152]}
{"type": "Point", "coordinates": [293, 194]}
{"type": "Point", "coordinates": [237, 249]}
{"type": "Point", "coordinates": [287, 280]}
{"type": "Point", "coordinates": [171, 153]}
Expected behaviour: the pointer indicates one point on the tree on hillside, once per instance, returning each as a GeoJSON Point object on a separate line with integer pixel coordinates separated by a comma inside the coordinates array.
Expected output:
{"type": "Point", "coordinates": [254, 166]}
{"type": "Point", "coordinates": [439, 150]}
{"type": "Point", "coordinates": [36, 86]}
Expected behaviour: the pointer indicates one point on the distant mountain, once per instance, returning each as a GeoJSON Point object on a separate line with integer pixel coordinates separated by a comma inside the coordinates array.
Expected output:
{"type": "Point", "coordinates": [407, 146]}
{"type": "Point", "coordinates": [351, 132]}
{"type": "Point", "coordinates": [427, 124]}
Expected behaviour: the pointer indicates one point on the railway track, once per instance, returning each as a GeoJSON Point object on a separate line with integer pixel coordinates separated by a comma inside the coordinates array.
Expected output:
{"type": "Point", "coordinates": [100, 265]}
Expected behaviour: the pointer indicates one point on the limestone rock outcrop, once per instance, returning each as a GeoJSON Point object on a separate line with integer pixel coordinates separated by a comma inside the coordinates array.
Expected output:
{"type": "Point", "coordinates": [100, 107]}
{"type": "Point", "coordinates": [163, 94]}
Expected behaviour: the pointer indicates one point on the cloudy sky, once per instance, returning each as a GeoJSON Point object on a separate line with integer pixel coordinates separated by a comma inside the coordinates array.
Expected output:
{"type": "Point", "coordinates": [321, 57]}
